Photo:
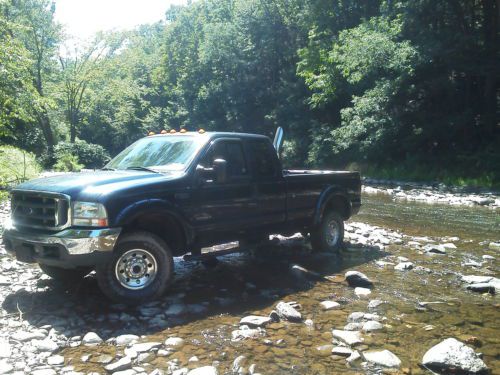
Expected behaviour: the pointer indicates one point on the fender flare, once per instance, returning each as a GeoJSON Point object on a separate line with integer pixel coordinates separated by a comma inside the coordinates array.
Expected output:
{"type": "Point", "coordinates": [158, 207]}
{"type": "Point", "coordinates": [331, 192]}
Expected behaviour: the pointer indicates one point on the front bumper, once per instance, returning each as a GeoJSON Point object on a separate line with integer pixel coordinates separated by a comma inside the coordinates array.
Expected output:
{"type": "Point", "coordinates": [67, 248]}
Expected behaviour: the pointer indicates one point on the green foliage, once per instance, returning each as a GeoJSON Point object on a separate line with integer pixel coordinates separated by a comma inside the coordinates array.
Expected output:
{"type": "Point", "coordinates": [382, 84]}
{"type": "Point", "coordinates": [16, 166]}
{"type": "Point", "coordinates": [90, 155]}
{"type": "Point", "coordinates": [67, 162]}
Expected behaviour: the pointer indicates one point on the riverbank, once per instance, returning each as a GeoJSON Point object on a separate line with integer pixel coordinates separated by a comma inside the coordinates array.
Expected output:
{"type": "Point", "coordinates": [382, 305]}
{"type": "Point", "coordinates": [432, 193]}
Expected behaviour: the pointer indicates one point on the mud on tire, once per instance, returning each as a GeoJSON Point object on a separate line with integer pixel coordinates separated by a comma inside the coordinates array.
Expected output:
{"type": "Point", "coordinates": [140, 270]}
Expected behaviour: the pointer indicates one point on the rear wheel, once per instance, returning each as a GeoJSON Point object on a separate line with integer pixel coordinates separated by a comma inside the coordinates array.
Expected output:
{"type": "Point", "coordinates": [65, 274]}
{"type": "Point", "coordinates": [329, 235]}
{"type": "Point", "coordinates": [140, 270]}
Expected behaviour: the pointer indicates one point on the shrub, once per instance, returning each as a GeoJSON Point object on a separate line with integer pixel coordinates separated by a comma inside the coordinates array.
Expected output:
{"type": "Point", "coordinates": [16, 166]}
{"type": "Point", "coordinates": [67, 162]}
{"type": "Point", "coordinates": [89, 154]}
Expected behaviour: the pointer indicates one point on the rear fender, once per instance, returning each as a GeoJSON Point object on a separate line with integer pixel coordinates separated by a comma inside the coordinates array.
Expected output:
{"type": "Point", "coordinates": [330, 194]}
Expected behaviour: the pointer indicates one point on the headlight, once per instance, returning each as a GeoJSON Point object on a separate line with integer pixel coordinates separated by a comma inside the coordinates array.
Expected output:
{"type": "Point", "coordinates": [89, 214]}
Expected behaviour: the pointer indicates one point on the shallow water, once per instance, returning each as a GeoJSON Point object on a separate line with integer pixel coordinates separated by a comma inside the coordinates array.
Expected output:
{"type": "Point", "coordinates": [214, 300]}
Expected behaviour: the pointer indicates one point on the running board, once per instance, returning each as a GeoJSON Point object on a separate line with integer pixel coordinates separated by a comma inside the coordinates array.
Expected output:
{"type": "Point", "coordinates": [213, 254]}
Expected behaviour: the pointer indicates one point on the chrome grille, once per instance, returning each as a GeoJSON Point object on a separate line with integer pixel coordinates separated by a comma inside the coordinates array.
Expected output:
{"type": "Point", "coordinates": [39, 210]}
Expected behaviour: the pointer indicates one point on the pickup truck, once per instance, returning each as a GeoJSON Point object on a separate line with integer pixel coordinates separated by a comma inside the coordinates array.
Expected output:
{"type": "Point", "coordinates": [168, 195]}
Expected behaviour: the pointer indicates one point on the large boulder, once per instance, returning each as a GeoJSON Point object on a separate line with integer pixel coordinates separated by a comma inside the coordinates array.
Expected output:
{"type": "Point", "coordinates": [453, 355]}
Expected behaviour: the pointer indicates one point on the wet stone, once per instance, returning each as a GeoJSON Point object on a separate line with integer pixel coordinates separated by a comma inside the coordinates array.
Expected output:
{"type": "Point", "coordinates": [174, 341]}
{"type": "Point", "coordinates": [453, 354]}
{"type": "Point", "coordinates": [362, 292]}
{"type": "Point", "coordinates": [355, 278]}
{"type": "Point", "coordinates": [123, 340]}
{"type": "Point", "coordinates": [330, 305]}
{"type": "Point", "coordinates": [145, 346]}
{"type": "Point", "coordinates": [371, 326]}
{"type": "Point", "coordinates": [348, 337]}
{"type": "Point", "coordinates": [206, 370]}
{"type": "Point", "coordinates": [342, 351]}
{"type": "Point", "coordinates": [383, 358]}
{"type": "Point", "coordinates": [255, 321]}
{"type": "Point", "coordinates": [91, 339]}
{"type": "Point", "coordinates": [122, 364]}
{"type": "Point", "coordinates": [55, 360]}
{"type": "Point", "coordinates": [288, 312]}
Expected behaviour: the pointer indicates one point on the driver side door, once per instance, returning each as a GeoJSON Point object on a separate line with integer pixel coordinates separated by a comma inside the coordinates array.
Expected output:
{"type": "Point", "coordinates": [223, 207]}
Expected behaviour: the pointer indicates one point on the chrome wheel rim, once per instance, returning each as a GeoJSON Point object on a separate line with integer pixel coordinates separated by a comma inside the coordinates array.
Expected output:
{"type": "Point", "coordinates": [136, 269]}
{"type": "Point", "coordinates": [332, 233]}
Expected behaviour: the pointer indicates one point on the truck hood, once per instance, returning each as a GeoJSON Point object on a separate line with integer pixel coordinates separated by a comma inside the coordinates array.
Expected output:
{"type": "Point", "coordinates": [91, 185]}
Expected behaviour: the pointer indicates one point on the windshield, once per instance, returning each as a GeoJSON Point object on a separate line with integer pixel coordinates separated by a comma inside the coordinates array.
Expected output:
{"type": "Point", "coordinates": [167, 153]}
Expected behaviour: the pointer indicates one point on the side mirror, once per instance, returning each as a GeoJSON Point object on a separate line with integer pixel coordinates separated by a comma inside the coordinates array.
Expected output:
{"type": "Point", "coordinates": [217, 173]}
{"type": "Point", "coordinates": [220, 170]}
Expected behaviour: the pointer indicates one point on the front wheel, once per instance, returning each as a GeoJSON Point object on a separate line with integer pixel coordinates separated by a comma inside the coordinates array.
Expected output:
{"type": "Point", "coordinates": [329, 236]}
{"type": "Point", "coordinates": [140, 270]}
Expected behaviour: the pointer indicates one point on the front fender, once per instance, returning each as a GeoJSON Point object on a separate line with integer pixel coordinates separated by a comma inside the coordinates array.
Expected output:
{"type": "Point", "coordinates": [331, 192]}
{"type": "Point", "coordinates": [154, 206]}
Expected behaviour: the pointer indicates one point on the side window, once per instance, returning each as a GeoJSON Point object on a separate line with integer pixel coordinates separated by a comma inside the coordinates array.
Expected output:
{"type": "Point", "coordinates": [262, 158]}
{"type": "Point", "coordinates": [230, 151]}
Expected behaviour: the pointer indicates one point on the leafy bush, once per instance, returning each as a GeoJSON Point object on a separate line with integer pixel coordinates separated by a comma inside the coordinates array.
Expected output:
{"type": "Point", "coordinates": [16, 166]}
{"type": "Point", "coordinates": [67, 162]}
{"type": "Point", "coordinates": [89, 154]}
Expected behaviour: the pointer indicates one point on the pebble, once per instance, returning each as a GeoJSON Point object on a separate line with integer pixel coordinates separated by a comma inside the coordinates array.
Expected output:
{"type": "Point", "coordinates": [371, 326]}
{"type": "Point", "coordinates": [342, 350]}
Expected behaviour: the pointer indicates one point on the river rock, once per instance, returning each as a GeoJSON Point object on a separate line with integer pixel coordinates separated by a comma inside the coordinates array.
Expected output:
{"type": "Point", "coordinates": [174, 341]}
{"type": "Point", "coordinates": [5, 349]}
{"type": "Point", "coordinates": [247, 333]}
{"type": "Point", "coordinates": [330, 305]}
{"type": "Point", "coordinates": [353, 326]}
{"type": "Point", "coordinates": [362, 292]}
{"type": "Point", "coordinates": [123, 340]}
{"type": "Point", "coordinates": [45, 371]}
{"type": "Point", "coordinates": [494, 245]}
{"type": "Point", "coordinates": [481, 288]}
{"type": "Point", "coordinates": [371, 326]}
{"type": "Point", "coordinates": [452, 355]}
{"type": "Point", "coordinates": [404, 266]}
{"type": "Point", "coordinates": [302, 273]}
{"type": "Point", "coordinates": [348, 337]}
{"type": "Point", "coordinates": [383, 358]}
{"type": "Point", "coordinates": [355, 278]}
{"type": "Point", "coordinates": [55, 360]}
{"type": "Point", "coordinates": [122, 364]}
{"type": "Point", "coordinates": [342, 350]}
{"type": "Point", "coordinates": [287, 312]}
{"type": "Point", "coordinates": [5, 367]}
{"type": "Point", "coordinates": [435, 249]}
{"type": "Point", "coordinates": [206, 370]}
{"type": "Point", "coordinates": [472, 279]}
{"type": "Point", "coordinates": [46, 345]}
{"type": "Point", "coordinates": [91, 339]}
{"type": "Point", "coordinates": [374, 303]}
{"type": "Point", "coordinates": [357, 317]}
{"type": "Point", "coordinates": [145, 347]}
{"type": "Point", "coordinates": [255, 321]}
{"type": "Point", "coordinates": [488, 257]}
{"type": "Point", "coordinates": [27, 336]}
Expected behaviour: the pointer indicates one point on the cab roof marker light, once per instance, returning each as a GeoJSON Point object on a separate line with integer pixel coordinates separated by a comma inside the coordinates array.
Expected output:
{"type": "Point", "coordinates": [173, 131]}
{"type": "Point", "coordinates": [201, 131]}
{"type": "Point", "coordinates": [151, 133]}
{"type": "Point", "coordinates": [183, 130]}
{"type": "Point", "coordinates": [163, 132]}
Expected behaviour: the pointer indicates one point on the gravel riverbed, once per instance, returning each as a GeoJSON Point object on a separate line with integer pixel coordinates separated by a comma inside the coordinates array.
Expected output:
{"type": "Point", "coordinates": [390, 302]}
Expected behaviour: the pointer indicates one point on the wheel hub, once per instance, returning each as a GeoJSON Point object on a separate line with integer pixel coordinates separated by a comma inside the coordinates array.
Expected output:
{"type": "Point", "coordinates": [136, 269]}
{"type": "Point", "coordinates": [332, 233]}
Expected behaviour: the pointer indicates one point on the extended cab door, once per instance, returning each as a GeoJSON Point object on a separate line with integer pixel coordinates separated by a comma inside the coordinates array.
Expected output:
{"type": "Point", "coordinates": [268, 183]}
{"type": "Point", "coordinates": [224, 207]}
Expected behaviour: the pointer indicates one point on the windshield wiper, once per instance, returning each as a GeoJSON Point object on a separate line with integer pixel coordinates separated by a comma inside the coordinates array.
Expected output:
{"type": "Point", "coordinates": [138, 168]}
{"type": "Point", "coordinates": [108, 169]}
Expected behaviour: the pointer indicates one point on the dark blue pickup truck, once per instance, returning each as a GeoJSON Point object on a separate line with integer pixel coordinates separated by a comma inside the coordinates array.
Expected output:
{"type": "Point", "coordinates": [169, 195]}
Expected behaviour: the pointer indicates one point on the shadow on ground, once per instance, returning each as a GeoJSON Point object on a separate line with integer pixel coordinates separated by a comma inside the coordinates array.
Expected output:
{"type": "Point", "coordinates": [237, 284]}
